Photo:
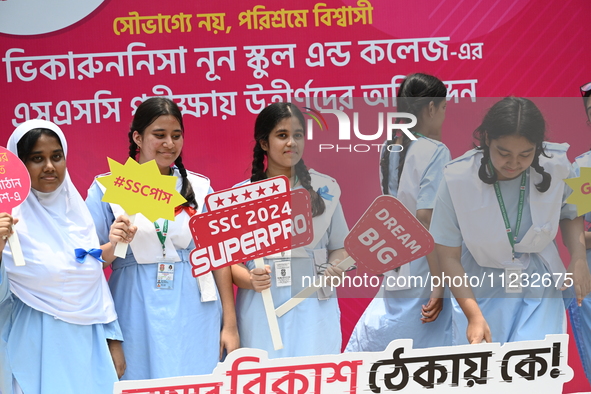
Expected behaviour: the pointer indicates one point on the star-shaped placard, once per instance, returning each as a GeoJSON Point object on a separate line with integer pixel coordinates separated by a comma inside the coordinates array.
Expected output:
{"type": "Point", "coordinates": [141, 188]}
{"type": "Point", "coordinates": [581, 195]}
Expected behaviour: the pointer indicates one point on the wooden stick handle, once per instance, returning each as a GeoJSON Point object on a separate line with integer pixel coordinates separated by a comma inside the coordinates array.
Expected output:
{"type": "Point", "coordinates": [308, 291]}
{"type": "Point", "coordinates": [270, 311]}
{"type": "Point", "coordinates": [15, 248]}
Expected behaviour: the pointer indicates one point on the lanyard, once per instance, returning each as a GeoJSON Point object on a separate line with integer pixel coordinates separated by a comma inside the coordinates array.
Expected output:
{"type": "Point", "coordinates": [512, 238]}
{"type": "Point", "coordinates": [162, 235]}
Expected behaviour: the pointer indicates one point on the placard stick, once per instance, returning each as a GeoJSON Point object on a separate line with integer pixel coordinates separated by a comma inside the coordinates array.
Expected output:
{"type": "Point", "coordinates": [308, 291]}
{"type": "Point", "coordinates": [121, 247]}
{"type": "Point", "coordinates": [15, 248]}
{"type": "Point", "coordinates": [270, 311]}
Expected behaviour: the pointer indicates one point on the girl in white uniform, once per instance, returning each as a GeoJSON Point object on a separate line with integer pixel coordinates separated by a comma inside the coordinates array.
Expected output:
{"type": "Point", "coordinates": [413, 175]}
{"type": "Point", "coordinates": [312, 327]}
{"type": "Point", "coordinates": [181, 328]}
{"type": "Point", "coordinates": [56, 312]}
{"type": "Point", "coordinates": [496, 215]}
{"type": "Point", "coordinates": [580, 316]}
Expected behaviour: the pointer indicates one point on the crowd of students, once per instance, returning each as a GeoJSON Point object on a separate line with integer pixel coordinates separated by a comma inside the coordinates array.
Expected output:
{"type": "Point", "coordinates": [64, 328]}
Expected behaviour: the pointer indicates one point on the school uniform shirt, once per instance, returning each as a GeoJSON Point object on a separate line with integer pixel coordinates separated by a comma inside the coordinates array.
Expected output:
{"type": "Point", "coordinates": [56, 313]}
{"type": "Point", "coordinates": [169, 332]}
{"type": "Point", "coordinates": [313, 327]}
{"type": "Point", "coordinates": [395, 312]}
{"type": "Point", "coordinates": [467, 215]}
{"type": "Point", "coordinates": [580, 317]}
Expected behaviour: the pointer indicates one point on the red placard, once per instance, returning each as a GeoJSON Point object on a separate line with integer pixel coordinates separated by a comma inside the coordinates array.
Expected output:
{"type": "Point", "coordinates": [15, 183]}
{"type": "Point", "coordinates": [248, 230]}
{"type": "Point", "coordinates": [248, 192]}
{"type": "Point", "coordinates": [387, 236]}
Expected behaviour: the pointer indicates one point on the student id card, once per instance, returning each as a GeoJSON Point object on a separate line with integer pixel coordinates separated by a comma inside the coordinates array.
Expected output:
{"type": "Point", "coordinates": [282, 272]}
{"type": "Point", "coordinates": [164, 274]}
{"type": "Point", "coordinates": [513, 274]}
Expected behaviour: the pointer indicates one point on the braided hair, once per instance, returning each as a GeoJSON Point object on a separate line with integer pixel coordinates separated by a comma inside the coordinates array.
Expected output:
{"type": "Point", "coordinates": [266, 121]}
{"type": "Point", "coordinates": [145, 115]}
{"type": "Point", "coordinates": [416, 92]}
{"type": "Point", "coordinates": [513, 116]}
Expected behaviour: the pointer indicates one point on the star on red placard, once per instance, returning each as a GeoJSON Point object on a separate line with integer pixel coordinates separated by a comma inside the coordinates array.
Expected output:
{"type": "Point", "coordinates": [233, 198]}
{"type": "Point", "coordinates": [275, 188]}
{"type": "Point", "coordinates": [219, 201]}
{"type": "Point", "coordinates": [261, 191]}
{"type": "Point", "coordinates": [246, 194]}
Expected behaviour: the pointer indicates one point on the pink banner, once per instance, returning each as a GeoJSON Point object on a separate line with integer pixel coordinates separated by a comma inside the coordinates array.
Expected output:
{"type": "Point", "coordinates": [87, 69]}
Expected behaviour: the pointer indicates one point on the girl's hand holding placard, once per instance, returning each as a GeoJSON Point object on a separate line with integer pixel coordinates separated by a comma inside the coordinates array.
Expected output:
{"type": "Point", "coordinates": [335, 270]}
{"type": "Point", "coordinates": [14, 189]}
{"type": "Point", "coordinates": [122, 230]}
{"type": "Point", "coordinates": [260, 278]}
{"type": "Point", "coordinates": [6, 229]}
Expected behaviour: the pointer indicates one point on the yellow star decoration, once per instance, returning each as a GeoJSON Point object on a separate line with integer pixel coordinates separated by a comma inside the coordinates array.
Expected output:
{"type": "Point", "coordinates": [141, 188]}
{"type": "Point", "coordinates": [581, 195]}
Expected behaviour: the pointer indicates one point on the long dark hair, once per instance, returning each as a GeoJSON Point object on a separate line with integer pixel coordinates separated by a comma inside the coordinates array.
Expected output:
{"type": "Point", "coordinates": [264, 124]}
{"type": "Point", "coordinates": [415, 93]}
{"type": "Point", "coordinates": [513, 116]}
{"type": "Point", "coordinates": [145, 115]}
{"type": "Point", "coordinates": [26, 144]}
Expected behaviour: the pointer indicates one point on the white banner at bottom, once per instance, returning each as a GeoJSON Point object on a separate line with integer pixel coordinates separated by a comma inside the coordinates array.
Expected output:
{"type": "Point", "coordinates": [515, 367]}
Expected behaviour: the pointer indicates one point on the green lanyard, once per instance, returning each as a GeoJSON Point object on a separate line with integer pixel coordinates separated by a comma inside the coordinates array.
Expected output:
{"type": "Point", "coordinates": [512, 238]}
{"type": "Point", "coordinates": [419, 134]}
{"type": "Point", "coordinates": [162, 235]}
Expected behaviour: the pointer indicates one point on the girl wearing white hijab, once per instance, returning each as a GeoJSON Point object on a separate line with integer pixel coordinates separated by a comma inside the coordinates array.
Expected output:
{"type": "Point", "coordinates": [56, 312]}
